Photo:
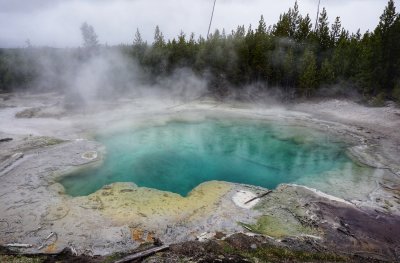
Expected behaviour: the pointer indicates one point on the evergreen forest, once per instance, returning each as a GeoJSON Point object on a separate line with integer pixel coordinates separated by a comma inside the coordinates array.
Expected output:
{"type": "Point", "coordinates": [295, 58]}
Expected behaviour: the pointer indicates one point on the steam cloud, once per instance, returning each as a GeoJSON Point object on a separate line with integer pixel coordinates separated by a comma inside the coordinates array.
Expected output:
{"type": "Point", "coordinates": [105, 75]}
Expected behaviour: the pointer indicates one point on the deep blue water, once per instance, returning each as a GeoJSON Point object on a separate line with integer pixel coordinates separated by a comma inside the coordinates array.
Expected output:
{"type": "Point", "coordinates": [178, 156]}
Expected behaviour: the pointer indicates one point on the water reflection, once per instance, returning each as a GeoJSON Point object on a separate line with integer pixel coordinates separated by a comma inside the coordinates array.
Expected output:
{"type": "Point", "coordinates": [179, 156]}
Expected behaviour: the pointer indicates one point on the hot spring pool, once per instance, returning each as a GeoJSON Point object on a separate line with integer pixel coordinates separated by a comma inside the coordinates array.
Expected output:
{"type": "Point", "coordinates": [178, 156]}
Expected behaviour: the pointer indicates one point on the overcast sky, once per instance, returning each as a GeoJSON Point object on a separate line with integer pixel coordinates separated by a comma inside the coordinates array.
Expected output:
{"type": "Point", "coordinates": [57, 22]}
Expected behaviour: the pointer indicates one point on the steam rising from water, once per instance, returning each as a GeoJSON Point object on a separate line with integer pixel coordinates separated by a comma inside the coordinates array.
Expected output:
{"type": "Point", "coordinates": [88, 77]}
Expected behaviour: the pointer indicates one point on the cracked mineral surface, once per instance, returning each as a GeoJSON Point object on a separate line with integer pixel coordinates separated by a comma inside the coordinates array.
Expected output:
{"type": "Point", "coordinates": [358, 213]}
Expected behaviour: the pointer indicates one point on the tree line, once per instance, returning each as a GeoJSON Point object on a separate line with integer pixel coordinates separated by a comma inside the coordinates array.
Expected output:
{"type": "Point", "coordinates": [293, 56]}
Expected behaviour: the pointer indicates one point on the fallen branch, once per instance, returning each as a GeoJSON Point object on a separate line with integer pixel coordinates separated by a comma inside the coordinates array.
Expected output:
{"type": "Point", "coordinates": [259, 196]}
{"type": "Point", "coordinates": [143, 254]}
{"type": "Point", "coordinates": [247, 228]}
{"type": "Point", "coordinates": [47, 238]}
{"type": "Point", "coordinates": [18, 245]}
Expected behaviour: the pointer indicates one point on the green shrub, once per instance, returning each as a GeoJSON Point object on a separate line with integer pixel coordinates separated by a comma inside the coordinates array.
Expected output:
{"type": "Point", "coordinates": [378, 101]}
{"type": "Point", "coordinates": [396, 93]}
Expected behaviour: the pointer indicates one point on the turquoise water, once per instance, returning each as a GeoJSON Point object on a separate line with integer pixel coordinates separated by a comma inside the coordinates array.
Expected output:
{"type": "Point", "coordinates": [178, 156]}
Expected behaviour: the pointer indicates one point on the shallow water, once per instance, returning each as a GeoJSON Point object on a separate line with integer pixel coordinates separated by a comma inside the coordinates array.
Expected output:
{"type": "Point", "coordinates": [178, 156]}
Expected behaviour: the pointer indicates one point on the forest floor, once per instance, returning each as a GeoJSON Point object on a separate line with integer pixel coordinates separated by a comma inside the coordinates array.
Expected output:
{"type": "Point", "coordinates": [41, 141]}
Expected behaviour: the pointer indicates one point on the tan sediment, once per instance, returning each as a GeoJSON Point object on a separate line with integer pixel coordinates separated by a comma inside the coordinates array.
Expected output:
{"type": "Point", "coordinates": [127, 204]}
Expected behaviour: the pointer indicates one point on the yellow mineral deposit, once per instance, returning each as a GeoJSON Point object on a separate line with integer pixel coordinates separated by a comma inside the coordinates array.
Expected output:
{"type": "Point", "coordinates": [127, 204]}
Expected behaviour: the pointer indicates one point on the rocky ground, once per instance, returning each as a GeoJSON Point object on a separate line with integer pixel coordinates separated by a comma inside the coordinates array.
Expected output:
{"type": "Point", "coordinates": [40, 142]}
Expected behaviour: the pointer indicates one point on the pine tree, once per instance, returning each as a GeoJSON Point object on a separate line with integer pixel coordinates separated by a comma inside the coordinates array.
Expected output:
{"type": "Point", "coordinates": [89, 36]}
{"type": "Point", "coordinates": [388, 18]}
{"type": "Point", "coordinates": [289, 72]}
{"type": "Point", "coordinates": [156, 60]}
{"type": "Point", "coordinates": [323, 33]}
{"type": "Point", "coordinates": [327, 74]}
{"type": "Point", "coordinates": [304, 30]}
{"type": "Point", "coordinates": [336, 30]}
{"type": "Point", "coordinates": [282, 28]}
{"type": "Point", "coordinates": [139, 46]}
{"type": "Point", "coordinates": [240, 32]}
{"type": "Point", "coordinates": [158, 38]}
{"type": "Point", "coordinates": [288, 23]}
{"type": "Point", "coordinates": [394, 73]}
{"type": "Point", "coordinates": [138, 38]}
{"type": "Point", "coordinates": [262, 27]}
{"type": "Point", "coordinates": [294, 20]}
{"type": "Point", "coordinates": [258, 52]}
{"type": "Point", "coordinates": [308, 79]}
{"type": "Point", "coordinates": [386, 52]}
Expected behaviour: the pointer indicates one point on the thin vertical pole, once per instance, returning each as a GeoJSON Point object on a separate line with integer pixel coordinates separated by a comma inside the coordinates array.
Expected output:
{"type": "Point", "coordinates": [316, 20]}
{"type": "Point", "coordinates": [212, 15]}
